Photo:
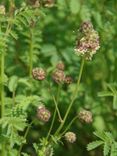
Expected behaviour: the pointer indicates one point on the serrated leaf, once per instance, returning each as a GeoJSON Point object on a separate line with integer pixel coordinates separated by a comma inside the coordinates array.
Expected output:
{"type": "Point", "coordinates": [106, 149]}
{"type": "Point", "coordinates": [74, 6]}
{"type": "Point", "coordinates": [109, 136]}
{"type": "Point", "coordinates": [114, 149]}
{"type": "Point", "coordinates": [14, 35]}
{"type": "Point", "coordinates": [100, 135]}
{"type": "Point", "coordinates": [94, 144]}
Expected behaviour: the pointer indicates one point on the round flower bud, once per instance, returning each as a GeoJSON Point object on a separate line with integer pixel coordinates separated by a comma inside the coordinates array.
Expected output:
{"type": "Point", "coordinates": [43, 113]}
{"type": "Point", "coordinates": [70, 137]}
{"type": "Point", "coordinates": [60, 66]}
{"type": "Point", "coordinates": [58, 76]}
{"type": "Point", "coordinates": [86, 27]}
{"type": "Point", "coordinates": [68, 80]}
{"type": "Point", "coordinates": [2, 10]}
{"type": "Point", "coordinates": [38, 74]}
{"type": "Point", "coordinates": [85, 116]}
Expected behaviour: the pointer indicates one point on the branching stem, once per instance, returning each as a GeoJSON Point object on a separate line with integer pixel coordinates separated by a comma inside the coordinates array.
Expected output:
{"type": "Point", "coordinates": [73, 98]}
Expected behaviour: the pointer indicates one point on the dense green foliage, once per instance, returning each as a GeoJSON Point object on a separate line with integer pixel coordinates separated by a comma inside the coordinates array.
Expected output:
{"type": "Point", "coordinates": [42, 36]}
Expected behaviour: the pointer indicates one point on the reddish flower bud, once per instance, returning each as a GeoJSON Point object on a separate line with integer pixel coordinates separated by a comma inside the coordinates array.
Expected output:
{"type": "Point", "coordinates": [38, 74]}
{"type": "Point", "coordinates": [60, 66]}
{"type": "Point", "coordinates": [68, 80]}
{"type": "Point", "coordinates": [86, 27]}
{"type": "Point", "coordinates": [58, 76]}
{"type": "Point", "coordinates": [43, 113]}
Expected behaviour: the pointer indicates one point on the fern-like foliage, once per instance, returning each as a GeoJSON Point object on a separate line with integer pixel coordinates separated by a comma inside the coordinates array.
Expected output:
{"type": "Point", "coordinates": [108, 142]}
{"type": "Point", "coordinates": [44, 148]}
{"type": "Point", "coordinates": [11, 126]}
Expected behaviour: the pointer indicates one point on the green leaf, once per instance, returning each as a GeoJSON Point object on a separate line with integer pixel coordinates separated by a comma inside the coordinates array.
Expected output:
{"type": "Point", "coordinates": [115, 102]}
{"type": "Point", "coordinates": [106, 149]}
{"type": "Point", "coordinates": [105, 93]}
{"type": "Point", "coordinates": [12, 83]}
{"type": "Point", "coordinates": [112, 88]}
{"type": "Point", "coordinates": [100, 135]}
{"type": "Point", "coordinates": [24, 81]}
{"type": "Point", "coordinates": [94, 145]}
{"type": "Point", "coordinates": [109, 137]}
{"type": "Point", "coordinates": [74, 6]}
{"type": "Point", "coordinates": [14, 35]}
{"type": "Point", "coordinates": [98, 18]}
{"type": "Point", "coordinates": [35, 147]}
{"type": "Point", "coordinates": [114, 149]}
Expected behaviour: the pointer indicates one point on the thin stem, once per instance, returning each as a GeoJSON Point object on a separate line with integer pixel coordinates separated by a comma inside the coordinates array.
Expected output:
{"type": "Point", "coordinates": [57, 109]}
{"type": "Point", "coordinates": [13, 97]}
{"type": "Point", "coordinates": [2, 85]}
{"type": "Point", "coordinates": [31, 55]}
{"type": "Point", "coordinates": [73, 98]}
{"type": "Point", "coordinates": [69, 125]}
{"type": "Point", "coordinates": [53, 120]}
{"type": "Point", "coordinates": [2, 81]}
{"type": "Point", "coordinates": [25, 136]}
{"type": "Point", "coordinates": [51, 126]}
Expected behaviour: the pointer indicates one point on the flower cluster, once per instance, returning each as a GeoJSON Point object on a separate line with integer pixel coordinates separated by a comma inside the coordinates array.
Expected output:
{"type": "Point", "coordinates": [2, 10]}
{"type": "Point", "coordinates": [70, 137]}
{"type": "Point", "coordinates": [38, 74]}
{"type": "Point", "coordinates": [43, 113]}
{"type": "Point", "coordinates": [88, 43]}
{"type": "Point", "coordinates": [85, 116]}
{"type": "Point", "coordinates": [59, 74]}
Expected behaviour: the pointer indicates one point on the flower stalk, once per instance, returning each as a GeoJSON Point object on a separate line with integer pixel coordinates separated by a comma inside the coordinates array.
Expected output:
{"type": "Point", "coordinates": [31, 55]}
{"type": "Point", "coordinates": [73, 98]}
{"type": "Point", "coordinates": [2, 84]}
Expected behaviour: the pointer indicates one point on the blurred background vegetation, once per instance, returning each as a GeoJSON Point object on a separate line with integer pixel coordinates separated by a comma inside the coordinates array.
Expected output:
{"type": "Point", "coordinates": [54, 39]}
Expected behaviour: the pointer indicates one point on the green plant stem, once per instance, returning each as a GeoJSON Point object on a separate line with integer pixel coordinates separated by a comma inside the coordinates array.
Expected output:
{"type": "Point", "coordinates": [13, 97]}
{"type": "Point", "coordinates": [73, 98]}
{"type": "Point", "coordinates": [51, 126]}
{"type": "Point", "coordinates": [31, 55]}
{"type": "Point", "coordinates": [69, 125]}
{"type": "Point", "coordinates": [55, 112]}
{"type": "Point", "coordinates": [57, 109]}
{"type": "Point", "coordinates": [2, 73]}
{"type": "Point", "coordinates": [25, 136]}
{"type": "Point", "coordinates": [2, 84]}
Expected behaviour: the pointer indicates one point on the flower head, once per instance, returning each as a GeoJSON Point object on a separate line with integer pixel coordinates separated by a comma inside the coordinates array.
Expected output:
{"type": "Point", "coordinates": [60, 66]}
{"type": "Point", "coordinates": [88, 43]}
{"type": "Point", "coordinates": [2, 10]}
{"type": "Point", "coordinates": [49, 3]}
{"type": "Point", "coordinates": [43, 113]}
{"type": "Point", "coordinates": [86, 27]}
{"type": "Point", "coordinates": [85, 116]}
{"type": "Point", "coordinates": [38, 74]}
{"type": "Point", "coordinates": [68, 80]}
{"type": "Point", "coordinates": [58, 76]}
{"type": "Point", "coordinates": [70, 137]}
